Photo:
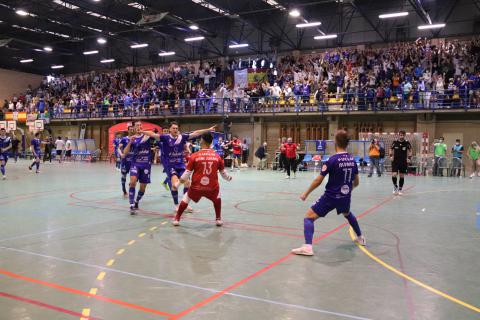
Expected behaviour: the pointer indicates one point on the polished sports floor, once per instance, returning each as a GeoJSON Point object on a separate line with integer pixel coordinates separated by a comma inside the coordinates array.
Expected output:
{"type": "Point", "coordinates": [69, 249]}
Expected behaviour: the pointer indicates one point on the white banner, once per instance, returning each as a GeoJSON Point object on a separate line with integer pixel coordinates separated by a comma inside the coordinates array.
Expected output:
{"type": "Point", "coordinates": [240, 78]}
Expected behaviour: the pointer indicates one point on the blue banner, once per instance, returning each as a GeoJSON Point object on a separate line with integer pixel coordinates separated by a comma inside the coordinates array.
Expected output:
{"type": "Point", "coordinates": [321, 145]}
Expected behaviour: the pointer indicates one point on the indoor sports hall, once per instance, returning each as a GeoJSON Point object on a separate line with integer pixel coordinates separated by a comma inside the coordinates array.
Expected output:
{"type": "Point", "coordinates": [257, 159]}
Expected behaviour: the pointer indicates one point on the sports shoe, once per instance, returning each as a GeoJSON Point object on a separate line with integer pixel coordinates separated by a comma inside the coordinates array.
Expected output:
{"type": "Point", "coordinates": [189, 209]}
{"type": "Point", "coordinates": [287, 177]}
{"type": "Point", "coordinates": [136, 205]}
{"type": "Point", "coordinates": [400, 193]}
{"type": "Point", "coordinates": [360, 241]}
{"type": "Point", "coordinates": [132, 210]}
{"type": "Point", "coordinates": [304, 250]}
{"type": "Point", "coordinates": [165, 185]}
{"type": "Point", "coordinates": [38, 171]}
{"type": "Point", "coordinates": [395, 191]}
{"type": "Point", "coordinates": [219, 223]}
{"type": "Point", "coordinates": [175, 223]}
{"type": "Point", "coordinates": [125, 195]}
{"type": "Point", "coordinates": [294, 176]}
{"type": "Point", "coordinates": [30, 168]}
{"type": "Point", "coordinates": [4, 177]}
{"type": "Point", "coordinates": [472, 175]}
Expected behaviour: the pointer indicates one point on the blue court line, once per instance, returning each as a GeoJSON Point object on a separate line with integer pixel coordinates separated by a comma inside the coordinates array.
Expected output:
{"type": "Point", "coordinates": [58, 230]}
{"type": "Point", "coordinates": [478, 216]}
{"type": "Point", "coordinates": [186, 285]}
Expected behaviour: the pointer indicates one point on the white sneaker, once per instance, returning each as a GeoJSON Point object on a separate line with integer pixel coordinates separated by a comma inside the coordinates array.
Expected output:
{"type": "Point", "coordinates": [219, 223]}
{"type": "Point", "coordinates": [189, 209]}
{"type": "Point", "coordinates": [175, 223]}
{"type": "Point", "coordinates": [360, 241]}
{"type": "Point", "coordinates": [304, 250]}
{"type": "Point", "coordinates": [400, 193]}
{"type": "Point", "coordinates": [294, 176]}
{"type": "Point", "coordinates": [287, 177]}
{"type": "Point", "coordinates": [395, 191]}
{"type": "Point", "coordinates": [4, 177]}
{"type": "Point", "coordinates": [472, 175]}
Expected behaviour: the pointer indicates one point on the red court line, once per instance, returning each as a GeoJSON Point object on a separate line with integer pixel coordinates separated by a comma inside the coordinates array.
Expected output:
{"type": "Point", "coordinates": [45, 305]}
{"type": "Point", "coordinates": [83, 293]}
{"type": "Point", "coordinates": [274, 264]}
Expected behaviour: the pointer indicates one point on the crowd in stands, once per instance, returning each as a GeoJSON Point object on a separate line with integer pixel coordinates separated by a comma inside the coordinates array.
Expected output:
{"type": "Point", "coordinates": [420, 74]}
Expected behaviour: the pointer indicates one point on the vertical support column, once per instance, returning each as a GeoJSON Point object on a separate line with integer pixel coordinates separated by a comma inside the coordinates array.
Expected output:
{"type": "Point", "coordinates": [332, 126]}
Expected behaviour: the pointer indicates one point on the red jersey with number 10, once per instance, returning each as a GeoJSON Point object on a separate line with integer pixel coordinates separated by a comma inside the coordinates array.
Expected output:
{"type": "Point", "coordinates": [205, 165]}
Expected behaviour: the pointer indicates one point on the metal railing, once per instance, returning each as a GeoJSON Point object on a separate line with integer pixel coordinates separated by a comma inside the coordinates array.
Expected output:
{"type": "Point", "coordinates": [268, 104]}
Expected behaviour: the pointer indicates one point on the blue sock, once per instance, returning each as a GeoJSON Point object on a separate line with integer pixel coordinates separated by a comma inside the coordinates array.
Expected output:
{"type": "Point", "coordinates": [175, 197]}
{"type": "Point", "coordinates": [2, 168]}
{"type": "Point", "coordinates": [124, 181]}
{"type": "Point", "coordinates": [139, 195]}
{"type": "Point", "coordinates": [354, 223]}
{"type": "Point", "coordinates": [131, 195]}
{"type": "Point", "coordinates": [308, 230]}
{"type": "Point", "coordinates": [185, 190]}
{"type": "Point", "coordinates": [166, 181]}
{"type": "Point", "coordinates": [37, 164]}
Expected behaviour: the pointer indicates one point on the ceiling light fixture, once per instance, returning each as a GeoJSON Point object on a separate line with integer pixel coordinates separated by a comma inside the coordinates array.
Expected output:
{"type": "Point", "coordinates": [137, 46]}
{"type": "Point", "coordinates": [432, 26]}
{"type": "Point", "coordinates": [26, 60]}
{"type": "Point", "coordinates": [194, 27]}
{"type": "Point", "coordinates": [22, 13]}
{"type": "Point", "coordinates": [194, 39]}
{"type": "Point", "coordinates": [240, 45]}
{"type": "Point", "coordinates": [393, 15]}
{"type": "Point", "coordinates": [102, 40]}
{"type": "Point", "coordinates": [59, 66]}
{"type": "Point", "coordinates": [308, 24]}
{"type": "Point", "coordinates": [294, 13]}
{"type": "Point", "coordinates": [87, 53]}
{"type": "Point", "coordinates": [47, 49]}
{"type": "Point", "coordinates": [165, 54]}
{"type": "Point", "coordinates": [107, 60]}
{"type": "Point", "coordinates": [324, 37]}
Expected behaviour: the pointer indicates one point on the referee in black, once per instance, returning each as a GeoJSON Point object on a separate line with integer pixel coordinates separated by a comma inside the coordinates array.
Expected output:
{"type": "Point", "coordinates": [400, 155]}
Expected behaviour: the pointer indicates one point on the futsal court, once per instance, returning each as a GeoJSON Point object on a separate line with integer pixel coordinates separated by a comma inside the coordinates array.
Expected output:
{"type": "Point", "coordinates": [70, 249]}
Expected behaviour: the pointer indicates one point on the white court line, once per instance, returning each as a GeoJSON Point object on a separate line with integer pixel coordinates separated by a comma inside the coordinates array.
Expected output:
{"type": "Point", "coordinates": [58, 230]}
{"type": "Point", "coordinates": [186, 285]}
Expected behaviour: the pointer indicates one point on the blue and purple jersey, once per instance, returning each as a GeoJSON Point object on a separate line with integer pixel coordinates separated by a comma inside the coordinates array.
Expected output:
{"type": "Point", "coordinates": [4, 143]}
{"type": "Point", "coordinates": [173, 150]}
{"type": "Point", "coordinates": [342, 170]}
{"type": "Point", "coordinates": [36, 143]}
{"type": "Point", "coordinates": [116, 143]}
{"type": "Point", "coordinates": [141, 147]}
{"type": "Point", "coordinates": [122, 144]}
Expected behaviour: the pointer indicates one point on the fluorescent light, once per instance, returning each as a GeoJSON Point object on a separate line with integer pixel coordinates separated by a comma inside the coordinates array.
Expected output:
{"type": "Point", "coordinates": [308, 24]}
{"type": "Point", "coordinates": [194, 39]}
{"type": "Point", "coordinates": [137, 46]}
{"type": "Point", "coordinates": [22, 13]}
{"type": "Point", "coordinates": [107, 60]}
{"type": "Point", "coordinates": [102, 40]}
{"type": "Point", "coordinates": [168, 53]}
{"type": "Point", "coordinates": [39, 50]}
{"type": "Point", "coordinates": [432, 26]}
{"type": "Point", "coordinates": [47, 49]}
{"type": "Point", "coordinates": [87, 53]}
{"type": "Point", "coordinates": [294, 13]}
{"type": "Point", "coordinates": [393, 15]}
{"type": "Point", "coordinates": [59, 66]}
{"type": "Point", "coordinates": [26, 60]}
{"type": "Point", "coordinates": [275, 4]}
{"type": "Point", "coordinates": [240, 45]}
{"type": "Point", "coordinates": [194, 27]}
{"type": "Point", "coordinates": [136, 5]}
{"type": "Point", "coordinates": [66, 4]}
{"type": "Point", "coordinates": [327, 36]}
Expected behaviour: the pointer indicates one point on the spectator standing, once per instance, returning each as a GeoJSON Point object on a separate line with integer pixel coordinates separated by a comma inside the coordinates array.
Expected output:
{"type": "Point", "coordinates": [291, 158]}
{"type": "Point", "coordinates": [374, 154]}
{"type": "Point", "coordinates": [245, 153]}
{"type": "Point", "coordinates": [474, 155]}
{"type": "Point", "coordinates": [59, 147]}
{"type": "Point", "coordinates": [457, 152]}
{"type": "Point", "coordinates": [261, 154]}
{"type": "Point", "coordinates": [68, 149]}
{"type": "Point", "coordinates": [440, 151]}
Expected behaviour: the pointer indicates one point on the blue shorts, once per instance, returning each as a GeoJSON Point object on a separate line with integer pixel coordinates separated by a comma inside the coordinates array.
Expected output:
{"type": "Point", "coordinates": [3, 157]}
{"type": "Point", "coordinates": [142, 172]}
{"type": "Point", "coordinates": [125, 166]}
{"type": "Point", "coordinates": [175, 172]}
{"type": "Point", "coordinates": [326, 204]}
{"type": "Point", "coordinates": [236, 156]}
{"type": "Point", "coordinates": [39, 155]}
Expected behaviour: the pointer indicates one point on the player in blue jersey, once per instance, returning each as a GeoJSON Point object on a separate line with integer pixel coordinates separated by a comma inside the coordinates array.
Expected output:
{"type": "Point", "coordinates": [126, 159]}
{"type": "Point", "coordinates": [173, 146]}
{"type": "Point", "coordinates": [5, 145]}
{"type": "Point", "coordinates": [35, 145]}
{"type": "Point", "coordinates": [116, 143]}
{"type": "Point", "coordinates": [140, 145]}
{"type": "Point", "coordinates": [342, 173]}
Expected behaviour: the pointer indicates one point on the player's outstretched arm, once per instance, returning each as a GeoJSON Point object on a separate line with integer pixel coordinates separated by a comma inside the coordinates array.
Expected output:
{"type": "Point", "coordinates": [225, 175]}
{"type": "Point", "coordinates": [198, 133]}
{"type": "Point", "coordinates": [314, 185]}
{"type": "Point", "coordinates": [151, 134]}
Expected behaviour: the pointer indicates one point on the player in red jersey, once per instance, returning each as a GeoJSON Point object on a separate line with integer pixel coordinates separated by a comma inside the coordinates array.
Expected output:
{"type": "Point", "coordinates": [204, 165]}
{"type": "Point", "coordinates": [237, 152]}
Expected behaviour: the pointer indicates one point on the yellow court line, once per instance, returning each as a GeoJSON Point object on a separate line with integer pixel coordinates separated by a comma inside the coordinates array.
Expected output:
{"type": "Point", "coordinates": [119, 252]}
{"type": "Point", "coordinates": [93, 291]}
{"type": "Point", "coordinates": [110, 262]}
{"type": "Point", "coordinates": [85, 314]}
{"type": "Point", "coordinates": [141, 234]}
{"type": "Point", "coordinates": [153, 228]}
{"type": "Point", "coordinates": [131, 242]}
{"type": "Point", "coordinates": [164, 222]}
{"type": "Point", "coordinates": [411, 279]}
{"type": "Point", "coordinates": [101, 275]}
